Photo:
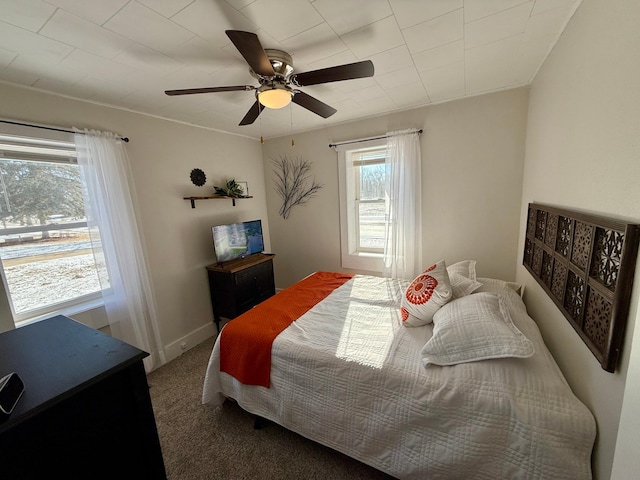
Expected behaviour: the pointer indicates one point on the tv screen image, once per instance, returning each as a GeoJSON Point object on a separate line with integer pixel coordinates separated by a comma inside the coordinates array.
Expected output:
{"type": "Point", "coordinates": [237, 240]}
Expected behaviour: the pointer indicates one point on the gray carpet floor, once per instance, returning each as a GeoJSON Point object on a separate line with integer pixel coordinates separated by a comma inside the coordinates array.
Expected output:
{"type": "Point", "coordinates": [202, 442]}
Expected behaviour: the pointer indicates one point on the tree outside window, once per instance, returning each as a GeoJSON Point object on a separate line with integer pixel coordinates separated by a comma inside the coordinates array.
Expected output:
{"type": "Point", "coordinates": [45, 244]}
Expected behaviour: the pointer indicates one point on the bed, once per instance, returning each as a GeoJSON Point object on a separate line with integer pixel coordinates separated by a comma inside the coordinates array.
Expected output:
{"type": "Point", "coordinates": [454, 397]}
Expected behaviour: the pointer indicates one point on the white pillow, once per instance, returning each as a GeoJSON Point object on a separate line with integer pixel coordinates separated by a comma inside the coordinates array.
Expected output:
{"type": "Point", "coordinates": [466, 268]}
{"type": "Point", "coordinates": [474, 327]}
{"type": "Point", "coordinates": [462, 286]}
{"type": "Point", "coordinates": [495, 285]}
{"type": "Point", "coordinates": [425, 295]}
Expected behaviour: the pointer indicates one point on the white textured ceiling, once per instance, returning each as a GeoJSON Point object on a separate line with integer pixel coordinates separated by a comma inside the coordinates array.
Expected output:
{"type": "Point", "coordinates": [125, 53]}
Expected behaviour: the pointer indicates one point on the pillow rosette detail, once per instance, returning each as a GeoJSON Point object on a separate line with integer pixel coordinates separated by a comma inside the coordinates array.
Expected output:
{"type": "Point", "coordinates": [425, 295]}
{"type": "Point", "coordinates": [421, 289]}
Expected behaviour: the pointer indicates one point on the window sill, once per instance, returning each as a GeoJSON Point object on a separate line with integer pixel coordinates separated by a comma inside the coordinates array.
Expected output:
{"type": "Point", "coordinates": [372, 262]}
{"type": "Point", "coordinates": [84, 311]}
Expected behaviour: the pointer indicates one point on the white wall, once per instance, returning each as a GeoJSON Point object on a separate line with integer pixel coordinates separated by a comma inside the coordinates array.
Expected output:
{"type": "Point", "coordinates": [626, 462]}
{"type": "Point", "coordinates": [6, 322]}
{"type": "Point", "coordinates": [582, 152]}
{"type": "Point", "coordinates": [177, 238]}
{"type": "Point", "coordinates": [472, 161]}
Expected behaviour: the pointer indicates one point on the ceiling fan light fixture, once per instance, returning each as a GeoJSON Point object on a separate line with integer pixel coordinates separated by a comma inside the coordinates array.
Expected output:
{"type": "Point", "coordinates": [275, 98]}
{"type": "Point", "coordinates": [278, 84]}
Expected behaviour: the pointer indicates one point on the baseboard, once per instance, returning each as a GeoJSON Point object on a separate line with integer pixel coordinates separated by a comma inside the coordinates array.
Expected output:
{"type": "Point", "coordinates": [177, 348]}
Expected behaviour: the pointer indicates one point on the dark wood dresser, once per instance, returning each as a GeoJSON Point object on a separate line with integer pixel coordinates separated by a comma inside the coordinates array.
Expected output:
{"type": "Point", "coordinates": [86, 410]}
{"type": "Point", "coordinates": [239, 285]}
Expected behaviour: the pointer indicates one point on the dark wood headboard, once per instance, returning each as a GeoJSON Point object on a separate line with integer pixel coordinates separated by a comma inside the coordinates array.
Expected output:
{"type": "Point", "coordinates": [586, 264]}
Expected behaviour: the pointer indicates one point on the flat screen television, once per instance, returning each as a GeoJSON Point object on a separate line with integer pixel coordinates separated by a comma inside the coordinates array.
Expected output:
{"type": "Point", "coordinates": [237, 240]}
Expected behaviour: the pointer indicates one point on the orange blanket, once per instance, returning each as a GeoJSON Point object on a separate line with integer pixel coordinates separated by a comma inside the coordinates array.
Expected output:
{"type": "Point", "coordinates": [245, 342]}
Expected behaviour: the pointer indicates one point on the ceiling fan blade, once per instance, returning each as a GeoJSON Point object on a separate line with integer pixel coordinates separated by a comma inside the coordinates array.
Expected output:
{"type": "Point", "coordinates": [349, 71]}
{"type": "Point", "coordinates": [189, 91]}
{"type": "Point", "coordinates": [252, 114]}
{"type": "Point", "coordinates": [251, 49]}
{"type": "Point", "coordinates": [313, 104]}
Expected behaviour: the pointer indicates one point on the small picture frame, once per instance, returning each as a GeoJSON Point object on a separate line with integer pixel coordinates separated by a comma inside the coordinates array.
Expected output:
{"type": "Point", "coordinates": [245, 188]}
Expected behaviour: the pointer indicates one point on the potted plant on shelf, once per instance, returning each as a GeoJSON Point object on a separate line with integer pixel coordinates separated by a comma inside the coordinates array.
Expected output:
{"type": "Point", "coordinates": [231, 189]}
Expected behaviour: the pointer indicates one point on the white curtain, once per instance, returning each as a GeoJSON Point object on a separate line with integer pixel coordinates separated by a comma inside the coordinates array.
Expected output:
{"type": "Point", "coordinates": [127, 293]}
{"type": "Point", "coordinates": [403, 239]}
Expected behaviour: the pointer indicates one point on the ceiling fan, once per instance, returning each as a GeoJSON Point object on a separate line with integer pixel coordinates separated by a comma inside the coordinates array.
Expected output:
{"type": "Point", "coordinates": [278, 84]}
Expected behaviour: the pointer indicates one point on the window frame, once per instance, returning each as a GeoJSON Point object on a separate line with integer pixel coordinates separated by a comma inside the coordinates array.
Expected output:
{"type": "Point", "coordinates": [352, 256]}
{"type": "Point", "coordinates": [20, 143]}
{"type": "Point", "coordinates": [358, 202]}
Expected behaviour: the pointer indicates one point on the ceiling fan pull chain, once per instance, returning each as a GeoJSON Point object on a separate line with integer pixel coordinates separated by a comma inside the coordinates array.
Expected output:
{"type": "Point", "coordinates": [293, 144]}
{"type": "Point", "coordinates": [260, 120]}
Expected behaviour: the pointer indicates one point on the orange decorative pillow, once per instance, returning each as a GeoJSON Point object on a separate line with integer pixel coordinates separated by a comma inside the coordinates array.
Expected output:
{"type": "Point", "coordinates": [427, 293]}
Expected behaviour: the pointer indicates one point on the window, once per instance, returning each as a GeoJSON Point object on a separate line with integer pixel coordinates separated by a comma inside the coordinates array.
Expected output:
{"type": "Point", "coordinates": [48, 256]}
{"type": "Point", "coordinates": [362, 205]}
{"type": "Point", "coordinates": [368, 197]}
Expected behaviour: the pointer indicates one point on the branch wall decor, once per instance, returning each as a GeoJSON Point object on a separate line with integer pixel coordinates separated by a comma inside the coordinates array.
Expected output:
{"type": "Point", "coordinates": [293, 182]}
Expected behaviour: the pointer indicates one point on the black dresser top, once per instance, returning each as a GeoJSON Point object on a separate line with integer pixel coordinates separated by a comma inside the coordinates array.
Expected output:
{"type": "Point", "coordinates": [56, 358]}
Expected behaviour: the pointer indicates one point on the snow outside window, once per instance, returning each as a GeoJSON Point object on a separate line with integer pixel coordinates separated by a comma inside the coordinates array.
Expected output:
{"type": "Point", "coordinates": [47, 261]}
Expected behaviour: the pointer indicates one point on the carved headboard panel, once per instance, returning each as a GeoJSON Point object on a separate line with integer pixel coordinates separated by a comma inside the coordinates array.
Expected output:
{"type": "Point", "coordinates": [586, 265]}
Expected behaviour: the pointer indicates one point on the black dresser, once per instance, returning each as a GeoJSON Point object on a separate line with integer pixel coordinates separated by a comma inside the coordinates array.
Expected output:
{"type": "Point", "coordinates": [86, 411]}
{"type": "Point", "coordinates": [239, 285]}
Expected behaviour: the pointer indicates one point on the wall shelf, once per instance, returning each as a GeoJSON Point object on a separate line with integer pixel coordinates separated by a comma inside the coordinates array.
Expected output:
{"type": "Point", "coordinates": [215, 197]}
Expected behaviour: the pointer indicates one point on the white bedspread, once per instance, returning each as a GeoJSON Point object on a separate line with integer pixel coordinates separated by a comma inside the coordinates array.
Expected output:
{"type": "Point", "coordinates": [348, 375]}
